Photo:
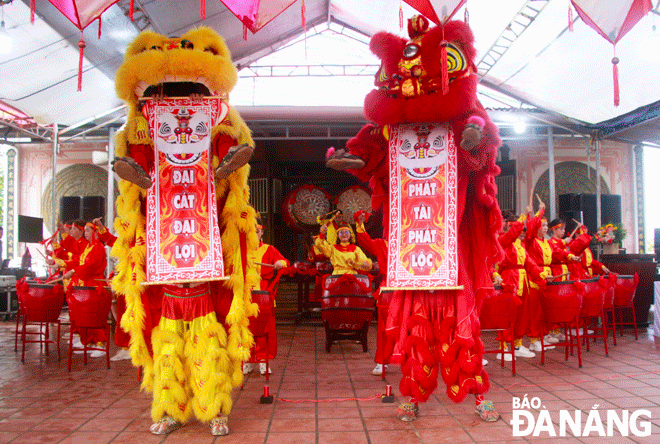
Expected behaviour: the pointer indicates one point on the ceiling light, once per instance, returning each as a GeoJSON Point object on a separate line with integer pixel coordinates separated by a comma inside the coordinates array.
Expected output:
{"type": "Point", "coordinates": [519, 127]}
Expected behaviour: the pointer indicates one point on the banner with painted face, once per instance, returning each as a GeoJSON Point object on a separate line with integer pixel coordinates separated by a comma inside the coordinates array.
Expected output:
{"type": "Point", "coordinates": [183, 237]}
{"type": "Point", "coordinates": [422, 248]}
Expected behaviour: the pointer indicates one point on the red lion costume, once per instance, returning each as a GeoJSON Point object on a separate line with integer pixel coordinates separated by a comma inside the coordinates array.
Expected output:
{"type": "Point", "coordinates": [435, 331]}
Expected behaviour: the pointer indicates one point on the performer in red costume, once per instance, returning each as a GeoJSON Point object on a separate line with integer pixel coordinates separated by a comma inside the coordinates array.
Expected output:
{"type": "Point", "coordinates": [122, 338]}
{"type": "Point", "coordinates": [378, 248]}
{"type": "Point", "coordinates": [588, 266]}
{"type": "Point", "coordinates": [560, 266]}
{"type": "Point", "coordinates": [559, 244]}
{"type": "Point", "coordinates": [541, 252]}
{"type": "Point", "coordinates": [514, 270]}
{"type": "Point", "coordinates": [433, 78]}
{"type": "Point", "coordinates": [88, 270]}
{"type": "Point", "coordinates": [266, 254]}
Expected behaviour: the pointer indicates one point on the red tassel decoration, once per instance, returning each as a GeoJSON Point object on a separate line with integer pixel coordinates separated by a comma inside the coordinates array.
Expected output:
{"type": "Point", "coordinates": [304, 24]}
{"type": "Point", "coordinates": [81, 45]}
{"type": "Point", "coordinates": [570, 18]}
{"type": "Point", "coordinates": [202, 9]}
{"type": "Point", "coordinates": [400, 17]}
{"type": "Point", "coordinates": [244, 32]}
{"type": "Point", "coordinates": [32, 6]}
{"type": "Point", "coordinates": [131, 10]}
{"type": "Point", "coordinates": [615, 73]}
{"type": "Point", "coordinates": [443, 64]}
{"type": "Point", "coordinates": [99, 36]}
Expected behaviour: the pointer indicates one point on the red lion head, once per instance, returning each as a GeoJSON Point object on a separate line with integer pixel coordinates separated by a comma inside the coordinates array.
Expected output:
{"type": "Point", "coordinates": [410, 80]}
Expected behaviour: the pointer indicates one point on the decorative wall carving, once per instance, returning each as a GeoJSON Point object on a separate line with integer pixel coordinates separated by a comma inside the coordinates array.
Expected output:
{"type": "Point", "coordinates": [570, 177]}
{"type": "Point", "coordinates": [74, 180]}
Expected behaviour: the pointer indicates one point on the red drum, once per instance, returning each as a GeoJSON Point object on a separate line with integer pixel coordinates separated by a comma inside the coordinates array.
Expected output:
{"type": "Point", "coordinates": [305, 268]}
{"type": "Point", "coordinates": [608, 302]}
{"type": "Point", "coordinates": [562, 301]}
{"type": "Point", "coordinates": [324, 267]}
{"type": "Point", "coordinates": [39, 304]}
{"type": "Point", "coordinates": [624, 290]}
{"type": "Point", "coordinates": [42, 302]}
{"type": "Point", "coordinates": [499, 308]}
{"type": "Point", "coordinates": [347, 307]}
{"type": "Point", "coordinates": [594, 296]}
{"type": "Point", "coordinates": [266, 310]}
{"type": "Point", "coordinates": [89, 307]}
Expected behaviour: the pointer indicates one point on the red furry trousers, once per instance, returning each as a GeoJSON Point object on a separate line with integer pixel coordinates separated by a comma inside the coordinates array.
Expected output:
{"type": "Point", "coordinates": [429, 340]}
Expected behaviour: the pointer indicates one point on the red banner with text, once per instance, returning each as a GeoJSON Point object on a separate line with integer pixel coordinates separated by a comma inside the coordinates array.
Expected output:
{"type": "Point", "coordinates": [183, 237]}
{"type": "Point", "coordinates": [422, 244]}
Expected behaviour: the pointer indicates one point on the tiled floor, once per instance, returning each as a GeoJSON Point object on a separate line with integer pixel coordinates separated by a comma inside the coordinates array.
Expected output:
{"type": "Point", "coordinates": [326, 398]}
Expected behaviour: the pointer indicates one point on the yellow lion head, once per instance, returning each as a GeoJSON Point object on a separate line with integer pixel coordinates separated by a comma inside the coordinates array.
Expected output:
{"type": "Point", "coordinates": [198, 62]}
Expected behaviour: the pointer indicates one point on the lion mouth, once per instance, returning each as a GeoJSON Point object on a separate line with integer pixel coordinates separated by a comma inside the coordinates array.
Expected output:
{"type": "Point", "coordinates": [174, 88]}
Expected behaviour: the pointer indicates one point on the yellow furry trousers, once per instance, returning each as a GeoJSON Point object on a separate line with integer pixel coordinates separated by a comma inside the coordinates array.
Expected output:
{"type": "Point", "coordinates": [192, 370]}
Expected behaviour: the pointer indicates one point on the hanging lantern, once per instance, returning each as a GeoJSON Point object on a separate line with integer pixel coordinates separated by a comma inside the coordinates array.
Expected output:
{"type": "Point", "coordinates": [612, 19]}
{"type": "Point", "coordinates": [255, 14]}
{"type": "Point", "coordinates": [81, 13]}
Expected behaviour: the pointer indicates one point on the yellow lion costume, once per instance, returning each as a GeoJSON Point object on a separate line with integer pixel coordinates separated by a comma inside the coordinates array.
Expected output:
{"type": "Point", "coordinates": [191, 367]}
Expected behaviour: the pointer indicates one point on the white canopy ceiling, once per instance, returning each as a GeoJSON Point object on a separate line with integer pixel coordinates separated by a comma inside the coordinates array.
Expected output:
{"type": "Point", "coordinates": [567, 74]}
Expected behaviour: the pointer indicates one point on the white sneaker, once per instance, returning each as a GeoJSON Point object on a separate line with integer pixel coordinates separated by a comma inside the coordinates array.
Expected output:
{"type": "Point", "coordinates": [589, 332]}
{"type": "Point", "coordinates": [550, 339]}
{"type": "Point", "coordinates": [97, 354]}
{"type": "Point", "coordinates": [262, 369]}
{"type": "Point", "coordinates": [536, 346]}
{"type": "Point", "coordinates": [559, 337]}
{"type": "Point", "coordinates": [247, 368]}
{"type": "Point", "coordinates": [76, 342]}
{"type": "Point", "coordinates": [378, 369]}
{"type": "Point", "coordinates": [524, 352]}
{"type": "Point", "coordinates": [507, 357]}
{"type": "Point", "coordinates": [484, 362]}
{"type": "Point", "coordinates": [121, 355]}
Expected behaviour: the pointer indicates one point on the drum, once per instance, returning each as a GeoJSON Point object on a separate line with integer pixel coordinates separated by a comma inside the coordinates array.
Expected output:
{"type": "Point", "coordinates": [562, 301]}
{"type": "Point", "coordinates": [353, 199]}
{"type": "Point", "coordinates": [304, 204]}
{"type": "Point", "coordinates": [594, 296]}
{"type": "Point", "coordinates": [347, 303]}
{"type": "Point", "coordinates": [305, 268]}
{"type": "Point", "coordinates": [624, 290]}
{"type": "Point", "coordinates": [89, 306]}
{"type": "Point", "coordinates": [42, 302]}
{"type": "Point", "coordinates": [266, 310]}
{"type": "Point", "coordinates": [324, 267]}
{"type": "Point", "coordinates": [499, 308]}
{"type": "Point", "coordinates": [608, 301]}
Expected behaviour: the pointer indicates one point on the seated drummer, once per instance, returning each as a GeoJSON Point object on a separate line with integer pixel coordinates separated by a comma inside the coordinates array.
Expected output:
{"type": "Point", "coordinates": [588, 266]}
{"type": "Point", "coordinates": [345, 256]}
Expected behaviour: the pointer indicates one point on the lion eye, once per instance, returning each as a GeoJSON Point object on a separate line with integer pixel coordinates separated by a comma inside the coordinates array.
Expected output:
{"type": "Point", "coordinates": [211, 50]}
{"type": "Point", "coordinates": [156, 48]}
{"type": "Point", "coordinates": [410, 51]}
{"type": "Point", "coordinates": [186, 44]}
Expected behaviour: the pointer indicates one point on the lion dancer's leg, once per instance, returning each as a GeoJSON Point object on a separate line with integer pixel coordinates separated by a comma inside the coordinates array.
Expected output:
{"type": "Point", "coordinates": [191, 365]}
{"type": "Point", "coordinates": [419, 365]}
{"type": "Point", "coordinates": [170, 407]}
